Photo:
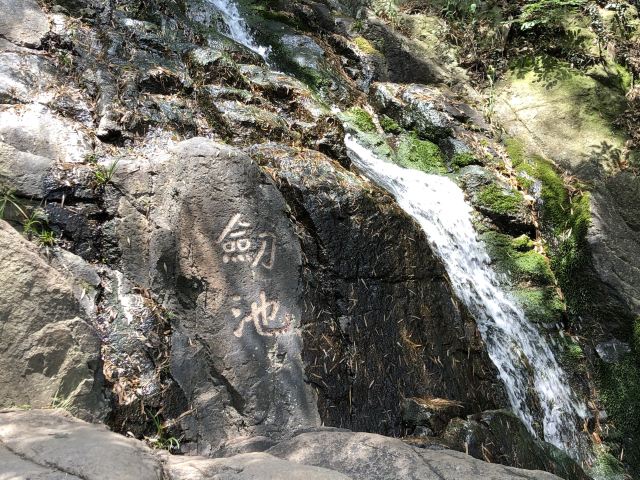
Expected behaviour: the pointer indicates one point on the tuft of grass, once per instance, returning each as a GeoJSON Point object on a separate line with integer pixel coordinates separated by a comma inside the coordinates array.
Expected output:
{"type": "Point", "coordinates": [160, 440]}
{"type": "Point", "coordinates": [46, 238]}
{"type": "Point", "coordinates": [103, 175]}
{"type": "Point", "coordinates": [8, 200]}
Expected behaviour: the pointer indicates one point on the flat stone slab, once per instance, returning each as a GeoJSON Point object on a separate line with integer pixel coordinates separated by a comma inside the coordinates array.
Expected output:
{"type": "Point", "coordinates": [51, 444]}
{"type": "Point", "coordinates": [367, 456]}
{"type": "Point", "coordinates": [247, 466]}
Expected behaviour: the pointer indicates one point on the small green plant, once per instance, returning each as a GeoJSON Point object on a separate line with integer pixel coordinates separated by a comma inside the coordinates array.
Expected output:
{"type": "Point", "coordinates": [47, 238]}
{"type": "Point", "coordinates": [8, 199]}
{"type": "Point", "coordinates": [104, 175]}
{"type": "Point", "coordinates": [160, 440]}
{"type": "Point", "coordinates": [387, 10]}
{"type": "Point", "coordinates": [58, 401]}
{"type": "Point", "coordinates": [33, 223]}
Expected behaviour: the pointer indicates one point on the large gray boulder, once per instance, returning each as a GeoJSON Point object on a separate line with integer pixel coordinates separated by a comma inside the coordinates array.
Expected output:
{"type": "Point", "coordinates": [366, 456]}
{"type": "Point", "coordinates": [23, 22]}
{"type": "Point", "coordinates": [207, 233]}
{"type": "Point", "coordinates": [49, 353]}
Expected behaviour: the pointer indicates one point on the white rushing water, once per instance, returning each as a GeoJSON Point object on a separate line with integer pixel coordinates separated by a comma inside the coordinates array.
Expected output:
{"type": "Point", "coordinates": [238, 29]}
{"type": "Point", "coordinates": [521, 354]}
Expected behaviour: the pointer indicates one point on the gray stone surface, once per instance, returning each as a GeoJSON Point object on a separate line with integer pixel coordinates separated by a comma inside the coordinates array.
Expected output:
{"type": "Point", "coordinates": [35, 129]}
{"type": "Point", "coordinates": [366, 456]}
{"type": "Point", "coordinates": [13, 467]}
{"type": "Point", "coordinates": [48, 351]}
{"type": "Point", "coordinates": [414, 107]}
{"type": "Point", "coordinates": [23, 76]}
{"type": "Point", "coordinates": [218, 249]}
{"type": "Point", "coordinates": [25, 172]}
{"type": "Point", "coordinates": [53, 445]}
{"type": "Point", "coordinates": [614, 238]}
{"type": "Point", "coordinates": [22, 22]}
{"type": "Point", "coordinates": [247, 466]}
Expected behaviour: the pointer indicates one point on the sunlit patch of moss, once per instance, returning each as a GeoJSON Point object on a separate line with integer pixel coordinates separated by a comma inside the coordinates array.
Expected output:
{"type": "Point", "coordinates": [522, 243]}
{"type": "Point", "coordinates": [607, 467]}
{"type": "Point", "coordinates": [501, 200]}
{"type": "Point", "coordinates": [421, 154]}
{"type": "Point", "coordinates": [572, 355]}
{"type": "Point", "coordinates": [360, 119]}
{"type": "Point", "coordinates": [365, 46]}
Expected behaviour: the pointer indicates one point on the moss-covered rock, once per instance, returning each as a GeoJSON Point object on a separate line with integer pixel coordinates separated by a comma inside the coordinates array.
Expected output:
{"type": "Point", "coordinates": [501, 200]}
{"type": "Point", "coordinates": [563, 114]}
{"type": "Point", "coordinates": [516, 258]}
{"type": "Point", "coordinates": [359, 119]}
{"type": "Point", "coordinates": [464, 159]}
{"type": "Point", "coordinates": [389, 125]}
{"type": "Point", "coordinates": [421, 155]}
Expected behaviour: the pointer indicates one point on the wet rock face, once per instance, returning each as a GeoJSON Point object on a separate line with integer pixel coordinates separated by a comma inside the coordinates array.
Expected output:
{"type": "Point", "coordinates": [218, 248]}
{"type": "Point", "coordinates": [380, 323]}
{"type": "Point", "coordinates": [49, 352]}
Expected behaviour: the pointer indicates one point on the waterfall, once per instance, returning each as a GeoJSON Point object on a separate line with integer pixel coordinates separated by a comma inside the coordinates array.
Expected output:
{"type": "Point", "coordinates": [238, 29]}
{"type": "Point", "coordinates": [521, 354]}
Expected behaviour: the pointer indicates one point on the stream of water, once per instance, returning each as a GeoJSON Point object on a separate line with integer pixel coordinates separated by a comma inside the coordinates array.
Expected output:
{"type": "Point", "coordinates": [524, 360]}
{"type": "Point", "coordinates": [237, 27]}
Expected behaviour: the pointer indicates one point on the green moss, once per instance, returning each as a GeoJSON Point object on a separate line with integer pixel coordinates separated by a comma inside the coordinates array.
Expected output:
{"type": "Point", "coordinates": [268, 13]}
{"type": "Point", "coordinates": [607, 467]}
{"type": "Point", "coordinates": [541, 305]}
{"type": "Point", "coordinates": [421, 154]}
{"type": "Point", "coordinates": [365, 46]}
{"type": "Point", "coordinates": [619, 385]}
{"type": "Point", "coordinates": [522, 266]}
{"type": "Point", "coordinates": [515, 150]}
{"type": "Point", "coordinates": [464, 159]}
{"type": "Point", "coordinates": [360, 119]}
{"type": "Point", "coordinates": [572, 355]}
{"type": "Point", "coordinates": [636, 334]}
{"type": "Point", "coordinates": [500, 200]}
{"type": "Point", "coordinates": [389, 125]}
{"type": "Point", "coordinates": [522, 243]}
